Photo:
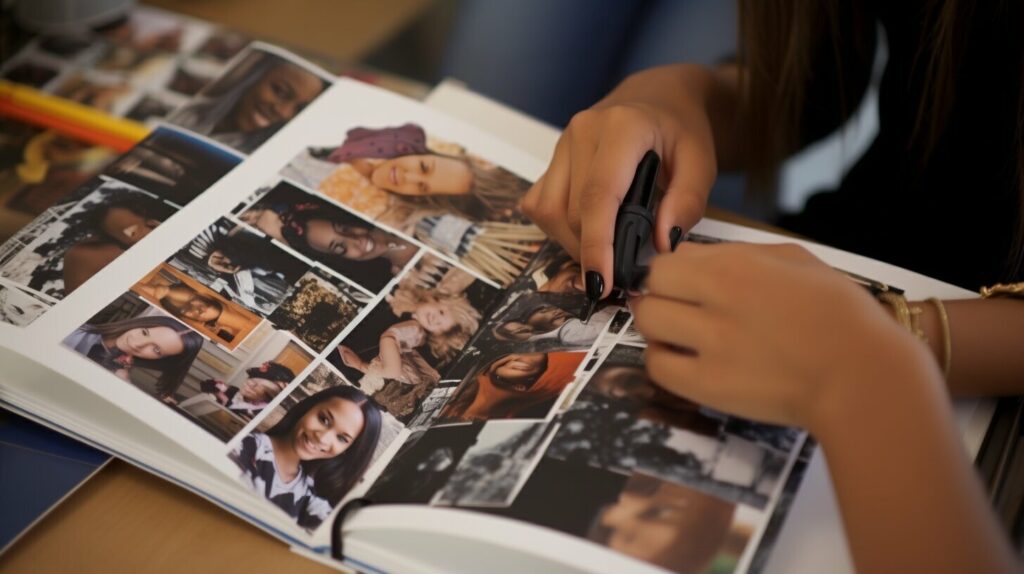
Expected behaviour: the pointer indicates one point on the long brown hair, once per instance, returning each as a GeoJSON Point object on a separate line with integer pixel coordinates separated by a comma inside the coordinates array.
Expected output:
{"type": "Point", "coordinates": [781, 40]}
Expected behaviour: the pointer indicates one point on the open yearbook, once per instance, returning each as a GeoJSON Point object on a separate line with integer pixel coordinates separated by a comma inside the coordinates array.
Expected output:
{"type": "Point", "coordinates": [301, 291]}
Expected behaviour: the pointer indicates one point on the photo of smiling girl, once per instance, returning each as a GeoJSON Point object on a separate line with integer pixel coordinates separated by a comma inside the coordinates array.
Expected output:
{"type": "Point", "coordinates": [150, 342]}
{"type": "Point", "coordinates": [453, 201]}
{"type": "Point", "coordinates": [317, 450]}
{"type": "Point", "coordinates": [397, 353]}
{"type": "Point", "coordinates": [358, 250]}
{"type": "Point", "coordinates": [252, 100]}
{"type": "Point", "coordinates": [197, 306]}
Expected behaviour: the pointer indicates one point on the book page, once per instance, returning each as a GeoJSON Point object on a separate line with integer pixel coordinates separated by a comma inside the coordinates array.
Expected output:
{"type": "Point", "coordinates": [278, 278]}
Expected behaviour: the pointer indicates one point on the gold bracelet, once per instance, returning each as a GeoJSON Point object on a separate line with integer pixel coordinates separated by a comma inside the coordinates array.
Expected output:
{"type": "Point", "coordinates": [898, 303]}
{"type": "Point", "coordinates": [947, 342]}
{"type": "Point", "coordinates": [1015, 290]}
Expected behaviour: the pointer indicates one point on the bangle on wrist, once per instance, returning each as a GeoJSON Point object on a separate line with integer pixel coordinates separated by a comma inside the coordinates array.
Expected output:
{"type": "Point", "coordinates": [947, 341]}
{"type": "Point", "coordinates": [908, 317]}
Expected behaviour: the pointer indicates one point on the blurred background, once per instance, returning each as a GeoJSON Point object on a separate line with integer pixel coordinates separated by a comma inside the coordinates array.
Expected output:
{"type": "Point", "coordinates": [547, 59]}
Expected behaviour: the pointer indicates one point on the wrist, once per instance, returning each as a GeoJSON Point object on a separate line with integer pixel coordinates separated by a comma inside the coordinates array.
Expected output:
{"type": "Point", "coordinates": [897, 374]}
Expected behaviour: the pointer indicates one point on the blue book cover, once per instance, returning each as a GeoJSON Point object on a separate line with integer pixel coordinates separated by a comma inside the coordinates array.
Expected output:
{"type": "Point", "coordinates": [38, 468]}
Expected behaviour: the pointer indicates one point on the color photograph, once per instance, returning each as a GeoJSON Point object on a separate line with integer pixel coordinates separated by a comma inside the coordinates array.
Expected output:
{"type": "Point", "coordinates": [173, 165]}
{"type": "Point", "coordinates": [314, 447]}
{"type": "Point", "coordinates": [326, 233]}
{"type": "Point", "coordinates": [225, 322]}
{"type": "Point", "coordinates": [398, 352]}
{"type": "Point", "coordinates": [318, 309]}
{"type": "Point", "coordinates": [513, 386]}
{"type": "Point", "coordinates": [437, 192]}
{"type": "Point", "coordinates": [251, 101]}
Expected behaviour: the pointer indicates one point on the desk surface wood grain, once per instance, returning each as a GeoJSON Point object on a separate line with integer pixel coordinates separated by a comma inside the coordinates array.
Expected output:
{"type": "Point", "coordinates": [126, 520]}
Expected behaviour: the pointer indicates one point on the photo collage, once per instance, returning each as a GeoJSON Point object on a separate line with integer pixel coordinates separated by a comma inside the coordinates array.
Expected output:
{"type": "Point", "coordinates": [301, 331]}
{"type": "Point", "coordinates": [427, 189]}
{"type": "Point", "coordinates": [380, 308]}
{"type": "Point", "coordinates": [142, 67]}
{"type": "Point", "coordinates": [90, 206]}
{"type": "Point", "coordinates": [610, 458]}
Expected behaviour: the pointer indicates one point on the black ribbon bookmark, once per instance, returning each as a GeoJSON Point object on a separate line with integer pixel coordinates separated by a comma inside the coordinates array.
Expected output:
{"type": "Point", "coordinates": [337, 548]}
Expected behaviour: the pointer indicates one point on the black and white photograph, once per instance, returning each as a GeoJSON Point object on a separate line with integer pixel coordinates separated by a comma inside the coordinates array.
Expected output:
{"type": "Point", "coordinates": [328, 234]}
{"type": "Point", "coordinates": [241, 265]}
{"type": "Point", "coordinates": [318, 308]}
{"type": "Point", "coordinates": [623, 422]}
{"type": "Point", "coordinates": [495, 468]}
{"type": "Point", "coordinates": [173, 165]}
{"type": "Point", "coordinates": [85, 238]}
{"type": "Point", "coordinates": [18, 307]}
{"type": "Point", "coordinates": [424, 463]}
{"type": "Point", "coordinates": [251, 100]}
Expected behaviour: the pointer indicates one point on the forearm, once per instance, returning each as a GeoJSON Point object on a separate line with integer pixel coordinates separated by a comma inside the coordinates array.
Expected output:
{"type": "Point", "coordinates": [987, 339]}
{"type": "Point", "coordinates": [909, 499]}
{"type": "Point", "coordinates": [390, 357]}
{"type": "Point", "coordinates": [676, 87]}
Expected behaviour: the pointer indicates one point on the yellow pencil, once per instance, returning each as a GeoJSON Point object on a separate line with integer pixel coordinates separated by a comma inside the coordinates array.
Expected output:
{"type": "Point", "coordinates": [71, 116]}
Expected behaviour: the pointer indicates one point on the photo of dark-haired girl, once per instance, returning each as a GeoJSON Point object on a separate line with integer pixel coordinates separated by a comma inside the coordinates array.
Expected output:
{"type": "Point", "coordinates": [173, 165]}
{"type": "Point", "coordinates": [550, 320]}
{"type": "Point", "coordinates": [262, 384]}
{"type": "Point", "coordinates": [251, 101]}
{"type": "Point", "coordinates": [149, 341]}
{"type": "Point", "coordinates": [197, 306]}
{"type": "Point", "coordinates": [513, 386]}
{"type": "Point", "coordinates": [397, 352]}
{"type": "Point", "coordinates": [88, 236]}
{"type": "Point", "coordinates": [319, 308]}
{"type": "Point", "coordinates": [453, 201]}
{"type": "Point", "coordinates": [317, 450]}
{"type": "Point", "coordinates": [358, 250]}
{"type": "Point", "coordinates": [240, 265]}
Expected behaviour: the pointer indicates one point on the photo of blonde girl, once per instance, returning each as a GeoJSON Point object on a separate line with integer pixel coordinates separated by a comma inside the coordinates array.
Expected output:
{"type": "Point", "coordinates": [453, 201]}
{"type": "Point", "coordinates": [398, 352]}
{"type": "Point", "coordinates": [152, 342]}
{"type": "Point", "coordinates": [315, 453]}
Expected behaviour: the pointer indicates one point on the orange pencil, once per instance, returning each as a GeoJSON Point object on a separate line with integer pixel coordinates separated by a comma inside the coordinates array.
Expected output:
{"type": "Point", "coordinates": [70, 118]}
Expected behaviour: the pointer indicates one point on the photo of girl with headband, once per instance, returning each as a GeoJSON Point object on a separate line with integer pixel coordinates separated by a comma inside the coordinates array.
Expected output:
{"type": "Point", "coordinates": [356, 249]}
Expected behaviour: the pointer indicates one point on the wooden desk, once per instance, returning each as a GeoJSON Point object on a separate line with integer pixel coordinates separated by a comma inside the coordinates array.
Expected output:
{"type": "Point", "coordinates": [126, 520]}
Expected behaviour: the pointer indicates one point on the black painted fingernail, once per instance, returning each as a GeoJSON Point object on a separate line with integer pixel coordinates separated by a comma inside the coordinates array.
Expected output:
{"type": "Point", "coordinates": [595, 285]}
{"type": "Point", "coordinates": [674, 236]}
